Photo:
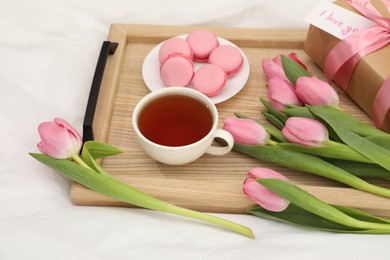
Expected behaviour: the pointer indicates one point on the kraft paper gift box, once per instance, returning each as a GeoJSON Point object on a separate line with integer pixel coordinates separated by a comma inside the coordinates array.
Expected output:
{"type": "Point", "coordinates": [370, 72]}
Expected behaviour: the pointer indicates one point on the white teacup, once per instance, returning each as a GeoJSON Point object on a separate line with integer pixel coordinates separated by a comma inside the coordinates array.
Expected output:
{"type": "Point", "coordinates": [176, 147]}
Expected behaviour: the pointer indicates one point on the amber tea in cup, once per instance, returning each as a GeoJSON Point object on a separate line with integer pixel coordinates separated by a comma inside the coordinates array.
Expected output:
{"type": "Point", "coordinates": [175, 120]}
{"type": "Point", "coordinates": [177, 125]}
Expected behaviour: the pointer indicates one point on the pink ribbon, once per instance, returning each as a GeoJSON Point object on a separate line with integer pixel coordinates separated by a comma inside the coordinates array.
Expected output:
{"type": "Point", "coordinates": [381, 104]}
{"type": "Point", "coordinates": [342, 59]}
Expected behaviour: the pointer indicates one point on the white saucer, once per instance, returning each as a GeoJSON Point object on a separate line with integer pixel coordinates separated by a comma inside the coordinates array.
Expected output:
{"type": "Point", "coordinates": [151, 73]}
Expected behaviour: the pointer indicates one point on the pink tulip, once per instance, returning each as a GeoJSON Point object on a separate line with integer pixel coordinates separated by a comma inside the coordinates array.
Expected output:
{"type": "Point", "coordinates": [59, 139]}
{"type": "Point", "coordinates": [246, 131]}
{"type": "Point", "coordinates": [315, 92]}
{"type": "Point", "coordinates": [305, 131]}
{"type": "Point", "coordinates": [261, 195]}
{"type": "Point", "coordinates": [280, 92]}
{"type": "Point", "coordinates": [274, 67]}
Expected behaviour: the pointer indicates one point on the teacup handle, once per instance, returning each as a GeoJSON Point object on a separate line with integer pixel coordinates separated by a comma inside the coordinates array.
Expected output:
{"type": "Point", "coordinates": [221, 150]}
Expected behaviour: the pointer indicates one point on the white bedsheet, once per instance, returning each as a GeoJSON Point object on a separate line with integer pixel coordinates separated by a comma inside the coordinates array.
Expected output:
{"type": "Point", "coordinates": [48, 53]}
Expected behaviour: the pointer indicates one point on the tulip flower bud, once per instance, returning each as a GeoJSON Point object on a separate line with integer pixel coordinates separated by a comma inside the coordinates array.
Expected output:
{"type": "Point", "coordinates": [261, 195]}
{"type": "Point", "coordinates": [246, 131]}
{"type": "Point", "coordinates": [315, 92]}
{"type": "Point", "coordinates": [305, 131]}
{"type": "Point", "coordinates": [280, 92]}
{"type": "Point", "coordinates": [59, 139]}
{"type": "Point", "coordinates": [274, 67]}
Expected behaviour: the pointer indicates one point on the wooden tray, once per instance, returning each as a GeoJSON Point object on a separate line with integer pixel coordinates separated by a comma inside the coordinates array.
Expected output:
{"type": "Point", "coordinates": [211, 184]}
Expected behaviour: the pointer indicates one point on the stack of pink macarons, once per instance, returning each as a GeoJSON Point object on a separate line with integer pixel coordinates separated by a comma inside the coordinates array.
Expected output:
{"type": "Point", "coordinates": [177, 57]}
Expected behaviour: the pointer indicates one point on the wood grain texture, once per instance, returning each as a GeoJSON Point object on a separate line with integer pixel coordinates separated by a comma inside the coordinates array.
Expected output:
{"type": "Point", "coordinates": [211, 184]}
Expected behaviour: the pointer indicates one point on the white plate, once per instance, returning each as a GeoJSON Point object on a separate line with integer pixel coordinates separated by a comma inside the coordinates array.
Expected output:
{"type": "Point", "coordinates": [151, 73]}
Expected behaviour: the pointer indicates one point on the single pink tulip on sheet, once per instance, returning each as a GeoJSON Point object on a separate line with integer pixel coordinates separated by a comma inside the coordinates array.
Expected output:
{"type": "Point", "coordinates": [59, 139]}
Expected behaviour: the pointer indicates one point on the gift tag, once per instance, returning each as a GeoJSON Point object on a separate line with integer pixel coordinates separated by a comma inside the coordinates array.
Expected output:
{"type": "Point", "coordinates": [336, 20]}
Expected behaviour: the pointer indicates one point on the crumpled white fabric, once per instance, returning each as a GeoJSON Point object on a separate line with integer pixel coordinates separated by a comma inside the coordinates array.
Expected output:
{"type": "Point", "coordinates": [48, 53]}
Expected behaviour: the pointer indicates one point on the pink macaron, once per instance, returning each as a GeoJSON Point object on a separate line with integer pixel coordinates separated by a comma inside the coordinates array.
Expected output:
{"type": "Point", "coordinates": [202, 43]}
{"type": "Point", "coordinates": [177, 71]}
{"type": "Point", "coordinates": [229, 58]}
{"type": "Point", "coordinates": [209, 79]}
{"type": "Point", "coordinates": [174, 46]}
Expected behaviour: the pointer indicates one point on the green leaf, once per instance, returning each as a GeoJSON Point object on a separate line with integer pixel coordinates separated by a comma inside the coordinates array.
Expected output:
{"type": "Point", "coordinates": [330, 150]}
{"type": "Point", "coordinates": [362, 170]}
{"type": "Point", "coordinates": [298, 112]}
{"type": "Point", "coordinates": [94, 150]}
{"type": "Point", "coordinates": [308, 202]}
{"type": "Point", "coordinates": [305, 200]}
{"type": "Point", "coordinates": [101, 150]}
{"type": "Point", "coordinates": [101, 183]}
{"type": "Point", "coordinates": [381, 140]}
{"type": "Point", "coordinates": [271, 118]}
{"type": "Point", "coordinates": [369, 149]}
{"type": "Point", "coordinates": [282, 118]}
{"type": "Point", "coordinates": [308, 163]}
{"type": "Point", "coordinates": [291, 106]}
{"type": "Point", "coordinates": [349, 122]}
{"type": "Point", "coordinates": [360, 215]}
{"type": "Point", "coordinates": [299, 217]}
{"type": "Point", "coordinates": [72, 170]}
{"type": "Point", "coordinates": [90, 161]}
{"type": "Point", "coordinates": [293, 70]}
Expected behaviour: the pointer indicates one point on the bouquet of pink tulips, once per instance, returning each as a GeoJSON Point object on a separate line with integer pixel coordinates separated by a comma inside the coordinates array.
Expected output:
{"type": "Point", "coordinates": [317, 138]}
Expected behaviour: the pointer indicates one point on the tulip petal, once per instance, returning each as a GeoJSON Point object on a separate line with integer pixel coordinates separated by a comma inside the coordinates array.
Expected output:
{"type": "Point", "coordinates": [41, 148]}
{"type": "Point", "coordinates": [272, 69]}
{"type": "Point", "coordinates": [315, 92]}
{"type": "Point", "coordinates": [66, 125]}
{"type": "Point", "coordinates": [305, 131]}
{"type": "Point", "coordinates": [58, 139]}
{"type": "Point", "coordinates": [246, 131]}
{"type": "Point", "coordinates": [261, 195]}
{"type": "Point", "coordinates": [296, 139]}
{"type": "Point", "coordinates": [55, 140]}
{"type": "Point", "coordinates": [280, 92]}
{"type": "Point", "coordinates": [264, 197]}
{"type": "Point", "coordinates": [266, 173]}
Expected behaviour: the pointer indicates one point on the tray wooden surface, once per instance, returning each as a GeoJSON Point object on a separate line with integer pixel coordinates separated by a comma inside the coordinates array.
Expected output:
{"type": "Point", "coordinates": [212, 183]}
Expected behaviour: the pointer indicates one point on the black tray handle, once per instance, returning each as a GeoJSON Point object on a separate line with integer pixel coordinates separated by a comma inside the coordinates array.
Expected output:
{"type": "Point", "coordinates": [108, 48]}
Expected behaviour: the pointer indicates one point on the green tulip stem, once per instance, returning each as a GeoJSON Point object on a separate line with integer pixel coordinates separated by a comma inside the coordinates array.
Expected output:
{"type": "Point", "coordinates": [121, 191]}
{"type": "Point", "coordinates": [107, 185]}
{"type": "Point", "coordinates": [330, 149]}
{"type": "Point", "coordinates": [77, 159]}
